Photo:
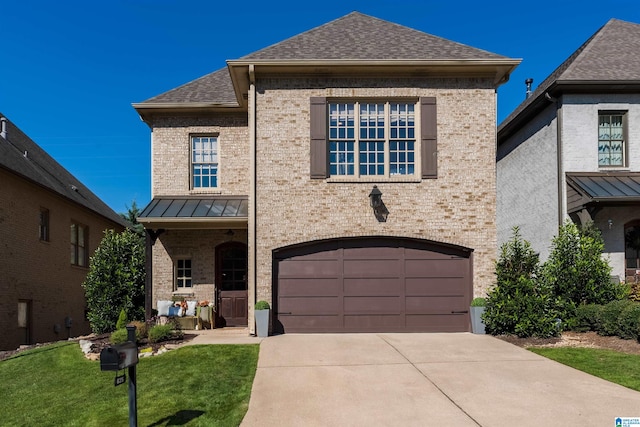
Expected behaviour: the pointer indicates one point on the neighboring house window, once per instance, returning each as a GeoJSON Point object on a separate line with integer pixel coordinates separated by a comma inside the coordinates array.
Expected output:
{"type": "Point", "coordinates": [183, 273]}
{"type": "Point", "coordinates": [365, 139]}
{"type": "Point", "coordinates": [79, 239]}
{"type": "Point", "coordinates": [372, 139]}
{"type": "Point", "coordinates": [204, 161]}
{"type": "Point", "coordinates": [611, 139]}
{"type": "Point", "coordinates": [43, 227]}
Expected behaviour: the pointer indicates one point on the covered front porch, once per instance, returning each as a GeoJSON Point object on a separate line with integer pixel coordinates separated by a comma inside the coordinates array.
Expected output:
{"type": "Point", "coordinates": [612, 201]}
{"type": "Point", "coordinates": [197, 252]}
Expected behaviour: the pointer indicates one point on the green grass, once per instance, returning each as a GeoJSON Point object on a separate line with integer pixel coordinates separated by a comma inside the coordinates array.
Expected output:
{"type": "Point", "coordinates": [620, 368]}
{"type": "Point", "coordinates": [193, 385]}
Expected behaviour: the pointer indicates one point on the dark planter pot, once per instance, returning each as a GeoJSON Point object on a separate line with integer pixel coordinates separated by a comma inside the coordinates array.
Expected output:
{"type": "Point", "coordinates": [262, 323]}
{"type": "Point", "coordinates": [477, 325]}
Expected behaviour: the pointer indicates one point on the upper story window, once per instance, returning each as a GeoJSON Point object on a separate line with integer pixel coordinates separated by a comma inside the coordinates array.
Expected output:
{"type": "Point", "coordinates": [43, 227]}
{"type": "Point", "coordinates": [79, 244]}
{"type": "Point", "coordinates": [371, 139]}
{"type": "Point", "coordinates": [204, 162]}
{"type": "Point", "coordinates": [183, 274]}
{"type": "Point", "coordinates": [611, 139]}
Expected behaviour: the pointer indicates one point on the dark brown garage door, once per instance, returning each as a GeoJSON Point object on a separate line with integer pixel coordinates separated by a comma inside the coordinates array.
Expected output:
{"type": "Point", "coordinates": [373, 285]}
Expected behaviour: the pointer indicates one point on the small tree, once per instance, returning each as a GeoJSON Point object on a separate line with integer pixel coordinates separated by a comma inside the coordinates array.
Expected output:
{"type": "Point", "coordinates": [576, 271]}
{"type": "Point", "coordinates": [518, 304]}
{"type": "Point", "coordinates": [131, 217]}
{"type": "Point", "coordinates": [116, 280]}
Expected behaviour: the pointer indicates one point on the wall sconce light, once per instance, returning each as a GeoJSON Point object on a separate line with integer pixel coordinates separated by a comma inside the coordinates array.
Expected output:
{"type": "Point", "coordinates": [610, 222]}
{"type": "Point", "coordinates": [379, 209]}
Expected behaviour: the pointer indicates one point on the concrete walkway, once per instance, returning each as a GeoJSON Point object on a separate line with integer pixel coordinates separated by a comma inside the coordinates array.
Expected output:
{"type": "Point", "coordinates": [424, 380]}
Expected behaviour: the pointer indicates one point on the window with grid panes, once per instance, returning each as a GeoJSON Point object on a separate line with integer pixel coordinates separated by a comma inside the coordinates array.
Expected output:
{"type": "Point", "coordinates": [611, 139]}
{"type": "Point", "coordinates": [79, 239]}
{"type": "Point", "coordinates": [204, 162]}
{"type": "Point", "coordinates": [372, 139]}
{"type": "Point", "coordinates": [183, 273]}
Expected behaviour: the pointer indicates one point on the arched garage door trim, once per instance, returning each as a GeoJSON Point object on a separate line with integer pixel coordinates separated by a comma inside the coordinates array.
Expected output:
{"type": "Point", "coordinates": [372, 284]}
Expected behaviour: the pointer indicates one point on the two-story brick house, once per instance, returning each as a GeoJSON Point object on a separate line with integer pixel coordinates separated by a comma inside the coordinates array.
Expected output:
{"type": "Point", "coordinates": [572, 149]}
{"type": "Point", "coordinates": [50, 225]}
{"type": "Point", "coordinates": [266, 179]}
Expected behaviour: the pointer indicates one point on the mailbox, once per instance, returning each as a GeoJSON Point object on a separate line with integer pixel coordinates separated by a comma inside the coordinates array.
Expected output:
{"type": "Point", "coordinates": [119, 357]}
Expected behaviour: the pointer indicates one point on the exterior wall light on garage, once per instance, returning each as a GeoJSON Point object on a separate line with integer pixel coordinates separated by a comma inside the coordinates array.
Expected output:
{"type": "Point", "coordinates": [379, 209]}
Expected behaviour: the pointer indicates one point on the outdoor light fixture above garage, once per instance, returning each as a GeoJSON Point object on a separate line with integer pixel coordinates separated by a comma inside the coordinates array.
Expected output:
{"type": "Point", "coordinates": [375, 198]}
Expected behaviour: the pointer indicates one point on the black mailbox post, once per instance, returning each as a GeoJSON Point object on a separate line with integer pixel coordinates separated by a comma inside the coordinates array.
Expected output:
{"type": "Point", "coordinates": [124, 356]}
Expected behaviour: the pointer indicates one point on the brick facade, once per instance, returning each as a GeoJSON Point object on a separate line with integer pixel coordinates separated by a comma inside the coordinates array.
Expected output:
{"type": "Point", "coordinates": [40, 272]}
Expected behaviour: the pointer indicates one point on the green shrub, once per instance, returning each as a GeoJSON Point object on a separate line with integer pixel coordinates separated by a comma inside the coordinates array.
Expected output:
{"type": "Point", "coordinates": [610, 317]}
{"type": "Point", "coordinates": [122, 320]}
{"type": "Point", "coordinates": [159, 333]}
{"type": "Point", "coordinates": [629, 322]}
{"type": "Point", "coordinates": [262, 305]}
{"type": "Point", "coordinates": [576, 271]}
{"type": "Point", "coordinates": [119, 336]}
{"type": "Point", "coordinates": [519, 304]}
{"type": "Point", "coordinates": [116, 280]}
{"type": "Point", "coordinates": [588, 317]}
{"type": "Point", "coordinates": [479, 302]}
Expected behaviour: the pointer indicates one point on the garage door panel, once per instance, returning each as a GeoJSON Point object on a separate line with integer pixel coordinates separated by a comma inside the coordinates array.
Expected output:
{"type": "Point", "coordinates": [441, 268]}
{"type": "Point", "coordinates": [311, 323]}
{"type": "Point", "coordinates": [310, 305]}
{"type": "Point", "coordinates": [435, 305]}
{"type": "Point", "coordinates": [308, 268]}
{"type": "Point", "coordinates": [310, 287]}
{"type": "Point", "coordinates": [372, 268]}
{"type": "Point", "coordinates": [371, 323]}
{"type": "Point", "coordinates": [373, 286]}
{"type": "Point", "coordinates": [372, 304]}
{"type": "Point", "coordinates": [437, 322]}
{"type": "Point", "coordinates": [435, 287]}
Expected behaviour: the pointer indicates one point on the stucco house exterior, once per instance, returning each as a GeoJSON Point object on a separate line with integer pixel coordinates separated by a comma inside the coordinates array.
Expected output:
{"type": "Point", "coordinates": [345, 175]}
{"type": "Point", "coordinates": [572, 149]}
{"type": "Point", "coordinates": [50, 224]}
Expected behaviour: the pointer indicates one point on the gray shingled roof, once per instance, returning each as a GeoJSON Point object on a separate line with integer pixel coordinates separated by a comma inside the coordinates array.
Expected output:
{"type": "Point", "coordinates": [353, 37]}
{"type": "Point", "coordinates": [20, 155]}
{"type": "Point", "coordinates": [363, 37]}
{"type": "Point", "coordinates": [612, 54]}
{"type": "Point", "coordinates": [215, 88]}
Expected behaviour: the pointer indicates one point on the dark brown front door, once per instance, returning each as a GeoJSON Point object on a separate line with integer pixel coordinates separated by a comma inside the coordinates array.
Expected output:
{"type": "Point", "coordinates": [231, 283]}
{"type": "Point", "coordinates": [373, 285]}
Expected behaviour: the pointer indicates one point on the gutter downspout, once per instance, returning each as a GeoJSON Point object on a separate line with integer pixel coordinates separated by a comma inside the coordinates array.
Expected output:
{"type": "Point", "coordinates": [559, 165]}
{"type": "Point", "coordinates": [252, 255]}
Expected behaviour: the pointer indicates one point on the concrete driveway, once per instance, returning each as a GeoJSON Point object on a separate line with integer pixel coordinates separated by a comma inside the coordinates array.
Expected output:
{"type": "Point", "coordinates": [424, 380]}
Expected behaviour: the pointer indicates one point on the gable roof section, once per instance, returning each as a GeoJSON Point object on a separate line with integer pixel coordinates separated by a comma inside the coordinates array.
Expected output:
{"type": "Point", "coordinates": [355, 41]}
{"type": "Point", "coordinates": [361, 37]}
{"type": "Point", "coordinates": [23, 157]}
{"type": "Point", "coordinates": [610, 57]}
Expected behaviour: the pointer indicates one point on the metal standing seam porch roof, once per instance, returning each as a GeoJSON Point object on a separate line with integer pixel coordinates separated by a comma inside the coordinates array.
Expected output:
{"type": "Point", "coordinates": [612, 187]}
{"type": "Point", "coordinates": [195, 212]}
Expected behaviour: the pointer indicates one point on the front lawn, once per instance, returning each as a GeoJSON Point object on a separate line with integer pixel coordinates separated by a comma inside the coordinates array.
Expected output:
{"type": "Point", "coordinates": [620, 368]}
{"type": "Point", "coordinates": [193, 385]}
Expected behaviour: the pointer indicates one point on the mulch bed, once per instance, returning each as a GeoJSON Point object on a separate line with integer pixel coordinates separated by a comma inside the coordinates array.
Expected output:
{"type": "Point", "coordinates": [578, 339]}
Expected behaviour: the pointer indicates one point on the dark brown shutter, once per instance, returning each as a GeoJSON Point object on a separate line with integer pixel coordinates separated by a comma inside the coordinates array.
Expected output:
{"type": "Point", "coordinates": [318, 154]}
{"type": "Point", "coordinates": [428, 137]}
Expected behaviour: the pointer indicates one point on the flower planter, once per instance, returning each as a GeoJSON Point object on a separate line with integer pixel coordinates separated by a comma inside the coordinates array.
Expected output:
{"type": "Point", "coordinates": [262, 323]}
{"type": "Point", "coordinates": [477, 324]}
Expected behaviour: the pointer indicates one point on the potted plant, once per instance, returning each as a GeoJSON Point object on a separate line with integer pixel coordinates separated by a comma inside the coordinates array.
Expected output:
{"type": "Point", "coordinates": [477, 310]}
{"type": "Point", "coordinates": [262, 318]}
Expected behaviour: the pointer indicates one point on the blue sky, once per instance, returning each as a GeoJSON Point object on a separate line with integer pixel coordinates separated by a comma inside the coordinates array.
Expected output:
{"type": "Point", "coordinates": [71, 69]}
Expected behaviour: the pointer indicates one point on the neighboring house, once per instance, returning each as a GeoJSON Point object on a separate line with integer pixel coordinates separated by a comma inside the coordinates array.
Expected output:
{"type": "Point", "coordinates": [572, 149]}
{"type": "Point", "coordinates": [264, 174]}
{"type": "Point", "coordinates": [50, 224]}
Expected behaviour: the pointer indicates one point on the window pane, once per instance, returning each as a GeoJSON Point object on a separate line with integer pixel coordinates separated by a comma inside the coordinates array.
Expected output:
{"type": "Point", "coordinates": [610, 140]}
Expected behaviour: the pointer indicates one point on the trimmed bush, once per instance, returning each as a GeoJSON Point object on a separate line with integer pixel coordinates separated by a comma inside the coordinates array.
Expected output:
{"type": "Point", "coordinates": [629, 322]}
{"type": "Point", "coordinates": [122, 320]}
{"type": "Point", "coordinates": [588, 317]}
{"type": "Point", "coordinates": [119, 336]}
{"type": "Point", "coordinates": [610, 317]}
{"type": "Point", "coordinates": [159, 333]}
{"type": "Point", "coordinates": [262, 305]}
{"type": "Point", "coordinates": [479, 302]}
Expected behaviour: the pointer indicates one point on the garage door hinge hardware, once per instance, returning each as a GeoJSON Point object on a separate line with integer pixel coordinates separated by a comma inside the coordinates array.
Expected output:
{"type": "Point", "coordinates": [459, 312]}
